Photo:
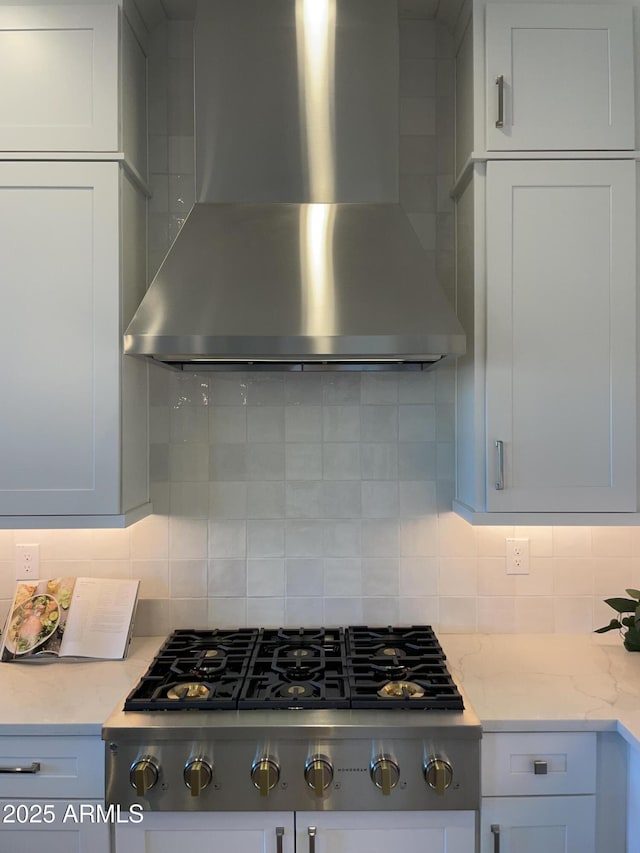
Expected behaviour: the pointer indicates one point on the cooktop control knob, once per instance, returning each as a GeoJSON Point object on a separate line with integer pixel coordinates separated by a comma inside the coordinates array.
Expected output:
{"type": "Point", "coordinates": [385, 773]}
{"type": "Point", "coordinates": [198, 773]}
{"type": "Point", "coordinates": [438, 775]}
{"type": "Point", "coordinates": [143, 775]}
{"type": "Point", "coordinates": [265, 774]}
{"type": "Point", "coordinates": [318, 774]}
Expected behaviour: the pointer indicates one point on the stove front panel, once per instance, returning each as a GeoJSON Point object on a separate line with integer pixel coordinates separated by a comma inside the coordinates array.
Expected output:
{"type": "Point", "coordinates": [348, 784]}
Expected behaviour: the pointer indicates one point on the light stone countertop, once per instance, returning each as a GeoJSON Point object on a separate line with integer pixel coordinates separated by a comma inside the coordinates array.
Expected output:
{"type": "Point", "coordinates": [536, 682]}
{"type": "Point", "coordinates": [58, 697]}
{"type": "Point", "coordinates": [548, 682]}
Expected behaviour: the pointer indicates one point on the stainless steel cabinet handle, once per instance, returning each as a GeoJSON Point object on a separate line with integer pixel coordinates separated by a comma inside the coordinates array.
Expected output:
{"type": "Point", "coordinates": [500, 85]}
{"type": "Point", "coordinates": [540, 768]}
{"type": "Point", "coordinates": [500, 468]}
{"type": "Point", "coordinates": [495, 829]}
{"type": "Point", "coordinates": [312, 838]}
{"type": "Point", "coordinates": [35, 768]}
{"type": "Point", "coordinates": [279, 835]}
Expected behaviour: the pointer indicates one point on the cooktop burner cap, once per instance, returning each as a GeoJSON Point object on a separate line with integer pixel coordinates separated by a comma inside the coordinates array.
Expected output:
{"type": "Point", "coordinates": [296, 691]}
{"type": "Point", "coordinates": [189, 690]}
{"type": "Point", "coordinates": [401, 690]}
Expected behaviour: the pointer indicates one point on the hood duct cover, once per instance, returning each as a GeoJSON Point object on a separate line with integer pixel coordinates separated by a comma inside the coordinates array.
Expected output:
{"type": "Point", "coordinates": [296, 251]}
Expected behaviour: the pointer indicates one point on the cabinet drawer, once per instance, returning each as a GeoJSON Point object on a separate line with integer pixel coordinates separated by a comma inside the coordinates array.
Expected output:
{"type": "Point", "coordinates": [69, 767]}
{"type": "Point", "coordinates": [509, 764]}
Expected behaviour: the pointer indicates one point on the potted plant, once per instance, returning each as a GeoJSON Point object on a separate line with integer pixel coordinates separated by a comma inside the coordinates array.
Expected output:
{"type": "Point", "coordinates": [629, 626]}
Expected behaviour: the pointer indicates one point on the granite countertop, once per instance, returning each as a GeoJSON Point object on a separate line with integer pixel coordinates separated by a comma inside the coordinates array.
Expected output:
{"type": "Point", "coordinates": [535, 682]}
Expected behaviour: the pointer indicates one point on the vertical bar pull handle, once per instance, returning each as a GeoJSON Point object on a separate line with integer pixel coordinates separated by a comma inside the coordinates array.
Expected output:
{"type": "Point", "coordinates": [279, 834]}
{"type": "Point", "coordinates": [500, 85]}
{"type": "Point", "coordinates": [500, 465]}
{"type": "Point", "coordinates": [312, 838]}
{"type": "Point", "coordinates": [495, 829]}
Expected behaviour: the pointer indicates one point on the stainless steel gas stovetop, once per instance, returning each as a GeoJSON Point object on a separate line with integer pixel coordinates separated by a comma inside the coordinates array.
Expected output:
{"type": "Point", "coordinates": [296, 719]}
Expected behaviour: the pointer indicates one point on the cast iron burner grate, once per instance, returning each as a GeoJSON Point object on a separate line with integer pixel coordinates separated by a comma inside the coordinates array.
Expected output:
{"type": "Point", "coordinates": [393, 656]}
{"type": "Point", "coordinates": [219, 660]}
{"type": "Point", "coordinates": [360, 667]}
{"type": "Point", "coordinates": [303, 668]}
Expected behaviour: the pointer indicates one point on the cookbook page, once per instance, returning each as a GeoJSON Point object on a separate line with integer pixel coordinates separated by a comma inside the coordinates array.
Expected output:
{"type": "Point", "coordinates": [100, 618]}
{"type": "Point", "coordinates": [37, 619]}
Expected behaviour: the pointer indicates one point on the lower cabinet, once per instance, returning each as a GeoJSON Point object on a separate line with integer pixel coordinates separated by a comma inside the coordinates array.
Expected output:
{"type": "Point", "coordinates": [536, 824]}
{"type": "Point", "coordinates": [347, 832]}
{"type": "Point", "coordinates": [302, 832]}
{"type": "Point", "coordinates": [235, 832]}
{"type": "Point", "coordinates": [62, 826]}
{"type": "Point", "coordinates": [539, 792]}
{"type": "Point", "coordinates": [52, 795]}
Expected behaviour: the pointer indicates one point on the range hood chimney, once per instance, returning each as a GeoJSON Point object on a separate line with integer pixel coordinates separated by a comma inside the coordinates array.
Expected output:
{"type": "Point", "coordinates": [296, 252]}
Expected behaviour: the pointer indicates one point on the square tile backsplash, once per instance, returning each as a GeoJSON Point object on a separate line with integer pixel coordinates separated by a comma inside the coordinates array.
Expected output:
{"type": "Point", "coordinates": [325, 499]}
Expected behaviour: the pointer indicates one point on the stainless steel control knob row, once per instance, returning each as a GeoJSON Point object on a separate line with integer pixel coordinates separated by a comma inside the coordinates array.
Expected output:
{"type": "Point", "coordinates": [385, 773]}
{"type": "Point", "coordinates": [438, 775]}
{"type": "Point", "coordinates": [143, 775]}
{"type": "Point", "coordinates": [265, 773]}
{"type": "Point", "coordinates": [198, 773]}
{"type": "Point", "coordinates": [318, 774]}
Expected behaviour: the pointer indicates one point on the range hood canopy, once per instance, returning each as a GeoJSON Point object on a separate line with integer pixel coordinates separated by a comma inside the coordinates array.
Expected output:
{"type": "Point", "coordinates": [296, 251]}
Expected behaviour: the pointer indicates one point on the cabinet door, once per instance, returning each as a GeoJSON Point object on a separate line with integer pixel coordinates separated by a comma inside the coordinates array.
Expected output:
{"type": "Point", "coordinates": [59, 67]}
{"type": "Point", "coordinates": [55, 826]}
{"type": "Point", "coordinates": [59, 339]}
{"type": "Point", "coordinates": [567, 73]}
{"type": "Point", "coordinates": [240, 832]}
{"type": "Point", "coordinates": [345, 832]}
{"type": "Point", "coordinates": [535, 824]}
{"type": "Point", "coordinates": [561, 327]}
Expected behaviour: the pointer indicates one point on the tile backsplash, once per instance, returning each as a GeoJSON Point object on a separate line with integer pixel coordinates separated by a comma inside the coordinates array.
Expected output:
{"type": "Point", "coordinates": [286, 498]}
{"type": "Point", "coordinates": [325, 499]}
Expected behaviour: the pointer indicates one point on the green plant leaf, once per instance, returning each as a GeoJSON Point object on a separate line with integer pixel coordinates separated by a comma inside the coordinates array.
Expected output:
{"type": "Point", "coordinates": [634, 593]}
{"type": "Point", "coordinates": [613, 624]}
{"type": "Point", "coordinates": [633, 636]}
{"type": "Point", "coordinates": [622, 605]}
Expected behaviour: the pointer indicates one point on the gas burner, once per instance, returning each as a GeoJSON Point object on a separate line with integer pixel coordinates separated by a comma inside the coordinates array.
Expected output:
{"type": "Point", "coordinates": [189, 690]}
{"type": "Point", "coordinates": [390, 670]}
{"type": "Point", "coordinates": [389, 652]}
{"type": "Point", "coordinates": [300, 653]}
{"type": "Point", "coordinates": [296, 691]}
{"type": "Point", "coordinates": [210, 663]}
{"type": "Point", "coordinates": [401, 690]}
{"type": "Point", "coordinates": [213, 661]}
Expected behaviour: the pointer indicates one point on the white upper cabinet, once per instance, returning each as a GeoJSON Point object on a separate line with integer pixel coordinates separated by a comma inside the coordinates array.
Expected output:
{"type": "Point", "coordinates": [559, 77]}
{"type": "Point", "coordinates": [561, 341]}
{"type": "Point", "coordinates": [59, 67]}
{"type": "Point", "coordinates": [68, 274]}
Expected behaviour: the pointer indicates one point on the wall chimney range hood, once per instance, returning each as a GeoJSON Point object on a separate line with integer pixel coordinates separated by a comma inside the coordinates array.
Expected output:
{"type": "Point", "coordinates": [296, 253]}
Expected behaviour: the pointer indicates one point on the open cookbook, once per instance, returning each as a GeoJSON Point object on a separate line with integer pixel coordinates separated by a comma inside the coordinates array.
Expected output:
{"type": "Point", "coordinates": [70, 617]}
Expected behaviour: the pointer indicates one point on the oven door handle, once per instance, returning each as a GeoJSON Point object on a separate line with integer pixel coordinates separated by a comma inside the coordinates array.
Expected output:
{"type": "Point", "coordinates": [279, 836]}
{"type": "Point", "coordinates": [311, 831]}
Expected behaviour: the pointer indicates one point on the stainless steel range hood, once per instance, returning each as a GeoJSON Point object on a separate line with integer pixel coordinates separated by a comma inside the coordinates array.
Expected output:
{"type": "Point", "coordinates": [296, 251]}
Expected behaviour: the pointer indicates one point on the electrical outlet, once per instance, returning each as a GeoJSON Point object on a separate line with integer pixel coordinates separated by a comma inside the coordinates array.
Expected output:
{"type": "Point", "coordinates": [27, 562]}
{"type": "Point", "coordinates": [517, 556]}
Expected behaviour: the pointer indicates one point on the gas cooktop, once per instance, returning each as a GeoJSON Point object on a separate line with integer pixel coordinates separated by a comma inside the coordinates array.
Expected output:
{"type": "Point", "coordinates": [358, 667]}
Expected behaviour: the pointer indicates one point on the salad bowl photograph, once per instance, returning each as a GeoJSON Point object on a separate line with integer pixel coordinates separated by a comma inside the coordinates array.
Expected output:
{"type": "Point", "coordinates": [32, 623]}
